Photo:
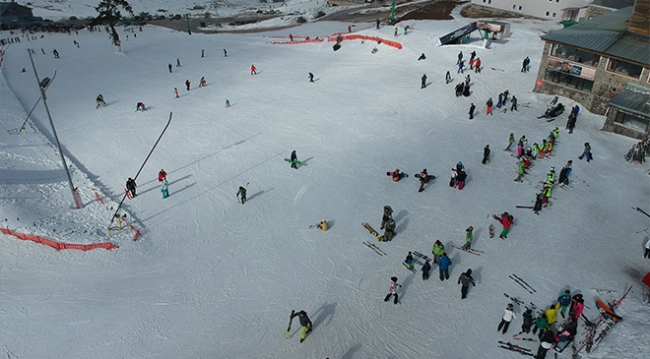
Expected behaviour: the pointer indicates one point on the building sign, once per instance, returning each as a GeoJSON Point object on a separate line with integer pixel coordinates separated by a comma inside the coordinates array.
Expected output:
{"type": "Point", "coordinates": [572, 69]}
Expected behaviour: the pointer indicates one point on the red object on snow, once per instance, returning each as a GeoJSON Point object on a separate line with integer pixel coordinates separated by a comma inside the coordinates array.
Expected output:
{"type": "Point", "coordinates": [646, 279]}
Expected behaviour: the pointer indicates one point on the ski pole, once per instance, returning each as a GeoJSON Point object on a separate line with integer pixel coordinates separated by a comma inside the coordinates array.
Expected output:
{"type": "Point", "coordinates": [290, 321]}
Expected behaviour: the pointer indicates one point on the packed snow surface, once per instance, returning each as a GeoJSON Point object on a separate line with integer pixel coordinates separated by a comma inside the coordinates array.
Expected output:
{"type": "Point", "coordinates": [212, 278]}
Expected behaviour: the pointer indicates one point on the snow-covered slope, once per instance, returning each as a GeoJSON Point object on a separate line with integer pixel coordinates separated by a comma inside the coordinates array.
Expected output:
{"type": "Point", "coordinates": [211, 278]}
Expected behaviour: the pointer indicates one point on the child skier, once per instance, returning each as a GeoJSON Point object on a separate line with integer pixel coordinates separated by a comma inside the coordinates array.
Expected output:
{"type": "Point", "coordinates": [140, 107]}
{"type": "Point", "coordinates": [469, 237]}
{"type": "Point", "coordinates": [409, 261]}
{"type": "Point", "coordinates": [392, 290]}
{"type": "Point", "coordinates": [253, 70]}
{"type": "Point", "coordinates": [438, 250]}
{"type": "Point", "coordinates": [506, 220]}
{"type": "Point", "coordinates": [511, 140]}
{"type": "Point", "coordinates": [508, 316]}
{"type": "Point", "coordinates": [242, 192]}
{"type": "Point", "coordinates": [176, 92]}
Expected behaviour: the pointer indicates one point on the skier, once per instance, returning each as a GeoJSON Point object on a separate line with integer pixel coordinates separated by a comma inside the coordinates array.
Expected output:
{"type": "Point", "coordinates": [253, 70]}
{"type": "Point", "coordinates": [242, 192]}
{"type": "Point", "coordinates": [176, 92]}
{"type": "Point", "coordinates": [460, 58]}
{"type": "Point", "coordinates": [486, 155]}
{"type": "Point", "coordinates": [162, 175]}
{"type": "Point", "coordinates": [471, 64]}
{"type": "Point", "coordinates": [140, 107]}
{"type": "Point", "coordinates": [395, 32]}
{"type": "Point", "coordinates": [477, 65]}
{"type": "Point", "coordinates": [56, 54]}
{"type": "Point", "coordinates": [438, 250]}
{"type": "Point", "coordinates": [422, 57]}
{"type": "Point", "coordinates": [202, 52]}
{"type": "Point", "coordinates": [506, 220]}
{"type": "Point", "coordinates": [547, 342]}
{"type": "Point", "coordinates": [447, 78]}
{"type": "Point", "coordinates": [377, 24]}
{"type": "Point", "coordinates": [406, 29]}
{"type": "Point", "coordinates": [349, 28]}
{"type": "Point", "coordinates": [466, 279]}
{"type": "Point", "coordinates": [460, 67]}
{"type": "Point", "coordinates": [225, 53]}
{"type": "Point", "coordinates": [311, 77]}
{"type": "Point", "coordinates": [508, 316]}
{"type": "Point", "coordinates": [100, 101]}
{"type": "Point", "coordinates": [469, 237]}
{"type": "Point", "coordinates": [524, 65]}
{"type": "Point", "coordinates": [471, 111]}
{"type": "Point", "coordinates": [513, 101]}
{"type": "Point", "coordinates": [426, 267]}
{"type": "Point", "coordinates": [227, 103]}
{"type": "Point", "coordinates": [304, 322]}
{"type": "Point", "coordinates": [535, 151]}
{"type": "Point", "coordinates": [387, 216]}
{"type": "Point", "coordinates": [500, 100]}
{"type": "Point", "coordinates": [586, 152]}
{"type": "Point", "coordinates": [424, 178]}
{"type": "Point", "coordinates": [443, 265]}
{"type": "Point", "coordinates": [564, 173]}
{"type": "Point", "coordinates": [187, 84]}
{"type": "Point", "coordinates": [565, 301]}
{"type": "Point", "coordinates": [511, 140]}
{"type": "Point", "coordinates": [178, 62]}
{"type": "Point", "coordinates": [409, 261]}
{"type": "Point", "coordinates": [472, 55]}
{"type": "Point", "coordinates": [488, 105]}
{"type": "Point", "coordinates": [538, 202]}
{"type": "Point", "coordinates": [131, 185]}
{"type": "Point", "coordinates": [506, 93]}
{"type": "Point", "coordinates": [165, 189]}
{"type": "Point", "coordinates": [528, 321]}
{"type": "Point", "coordinates": [389, 231]}
{"type": "Point", "coordinates": [294, 158]}
{"type": "Point", "coordinates": [392, 290]}
{"type": "Point", "coordinates": [424, 81]}
{"type": "Point", "coordinates": [202, 82]}
{"type": "Point", "coordinates": [459, 89]}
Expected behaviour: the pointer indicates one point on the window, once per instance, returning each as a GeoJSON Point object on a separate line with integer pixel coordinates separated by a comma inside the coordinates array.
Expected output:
{"type": "Point", "coordinates": [520, 7]}
{"type": "Point", "coordinates": [554, 14]}
{"type": "Point", "coordinates": [565, 79]}
{"type": "Point", "coordinates": [514, 7]}
{"type": "Point", "coordinates": [631, 121]}
{"type": "Point", "coordinates": [548, 13]}
{"type": "Point", "coordinates": [573, 54]}
{"type": "Point", "coordinates": [624, 68]}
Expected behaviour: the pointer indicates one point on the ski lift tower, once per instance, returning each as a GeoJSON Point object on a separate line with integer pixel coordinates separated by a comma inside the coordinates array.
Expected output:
{"type": "Point", "coordinates": [392, 14]}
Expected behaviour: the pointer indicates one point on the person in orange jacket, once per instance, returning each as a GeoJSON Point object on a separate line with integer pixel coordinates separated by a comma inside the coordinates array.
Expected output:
{"type": "Point", "coordinates": [506, 220]}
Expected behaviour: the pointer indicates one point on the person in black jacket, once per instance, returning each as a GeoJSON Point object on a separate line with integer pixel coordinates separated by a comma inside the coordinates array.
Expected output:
{"type": "Point", "coordinates": [486, 155]}
{"type": "Point", "coordinates": [130, 185]}
{"type": "Point", "coordinates": [466, 279]}
{"type": "Point", "coordinates": [304, 322]}
{"type": "Point", "coordinates": [425, 270]}
{"type": "Point", "coordinates": [528, 321]}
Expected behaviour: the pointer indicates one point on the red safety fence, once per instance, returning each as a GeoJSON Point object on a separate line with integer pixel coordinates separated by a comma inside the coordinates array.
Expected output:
{"type": "Point", "coordinates": [58, 245]}
{"type": "Point", "coordinates": [392, 43]}
{"type": "Point", "coordinates": [136, 232]}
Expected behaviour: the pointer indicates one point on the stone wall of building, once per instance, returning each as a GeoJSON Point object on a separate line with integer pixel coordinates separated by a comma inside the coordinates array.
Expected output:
{"type": "Point", "coordinates": [595, 11]}
{"type": "Point", "coordinates": [640, 21]}
{"type": "Point", "coordinates": [612, 126]}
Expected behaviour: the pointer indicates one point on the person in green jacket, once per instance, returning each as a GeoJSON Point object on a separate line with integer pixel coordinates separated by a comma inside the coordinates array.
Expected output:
{"type": "Point", "coordinates": [438, 250]}
{"type": "Point", "coordinates": [469, 236]}
{"type": "Point", "coordinates": [511, 140]}
{"type": "Point", "coordinates": [521, 171]}
{"type": "Point", "coordinates": [541, 324]}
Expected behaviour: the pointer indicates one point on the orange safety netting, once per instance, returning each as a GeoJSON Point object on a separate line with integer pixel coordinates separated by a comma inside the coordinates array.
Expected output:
{"type": "Point", "coordinates": [136, 232]}
{"type": "Point", "coordinates": [58, 245]}
{"type": "Point", "coordinates": [394, 44]}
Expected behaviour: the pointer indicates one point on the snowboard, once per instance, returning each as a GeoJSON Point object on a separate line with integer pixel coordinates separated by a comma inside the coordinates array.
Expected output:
{"type": "Point", "coordinates": [605, 310]}
{"type": "Point", "coordinates": [296, 161]}
{"type": "Point", "coordinates": [401, 175]}
{"type": "Point", "coordinates": [429, 177]}
{"type": "Point", "coordinates": [370, 229]}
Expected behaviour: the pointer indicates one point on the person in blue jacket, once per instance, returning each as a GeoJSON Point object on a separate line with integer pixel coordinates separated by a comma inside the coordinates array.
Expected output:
{"type": "Point", "coordinates": [443, 264]}
{"type": "Point", "coordinates": [424, 81]}
{"type": "Point", "coordinates": [565, 301]}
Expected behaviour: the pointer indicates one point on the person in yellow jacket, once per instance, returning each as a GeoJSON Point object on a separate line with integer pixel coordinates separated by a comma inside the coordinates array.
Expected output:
{"type": "Point", "coordinates": [551, 313]}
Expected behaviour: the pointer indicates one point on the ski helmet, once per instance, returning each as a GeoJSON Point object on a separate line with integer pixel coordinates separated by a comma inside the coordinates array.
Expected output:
{"type": "Point", "coordinates": [460, 163]}
{"type": "Point", "coordinates": [394, 279]}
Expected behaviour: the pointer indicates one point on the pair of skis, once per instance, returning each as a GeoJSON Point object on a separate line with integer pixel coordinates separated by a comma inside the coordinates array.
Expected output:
{"type": "Point", "coordinates": [374, 248]}
{"type": "Point", "coordinates": [475, 252]}
{"type": "Point", "coordinates": [520, 302]}
{"type": "Point", "coordinates": [523, 283]}
{"type": "Point", "coordinates": [420, 255]}
{"type": "Point", "coordinates": [515, 348]}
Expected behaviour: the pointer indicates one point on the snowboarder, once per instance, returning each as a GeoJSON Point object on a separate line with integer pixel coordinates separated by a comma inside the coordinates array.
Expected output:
{"type": "Point", "coordinates": [396, 175]}
{"type": "Point", "coordinates": [162, 175]}
{"type": "Point", "coordinates": [443, 265]}
{"type": "Point", "coordinates": [165, 189]}
{"type": "Point", "coordinates": [242, 192]}
{"type": "Point", "coordinates": [253, 70]}
{"type": "Point", "coordinates": [294, 158]}
{"type": "Point", "coordinates": [178, 62]}
{"type": "Point", "coordinates": [424, 81]}
{"type": "Point", "coordinates": [140, 107]}
{"type": "Point", "coordinates": [409, 261]}
{"type": "Point", "coordinates": [426, 267]}
{"type": "Point", "coordinates": [131, 185]}
{"type": "Point", "coordinates": [471, 111]}
{"type": "Point", "coordinates": [422, 57]}
{"type": "Point", "coordinates": [311, 77]}
{"type": "Point", "coordinates": [389, 231]}
{"type": "Point", "coordinates": [447, 78]}
{"type": "Point", "coordinates": [486, 155]}
{"type": "Point", "coordinates": [424, 178]}
{"type": "Point", "coordinates": [202, 82]}
{"type": "Point", "coordinates": [460, 58]}
{"type": "Point", "coordinates": [565, 301]}
{"type": "Point", "coordinates": [528, 321]}
{"type": "Point", "coordinates": [387, 216]}
{"type": "Point", "coordinates": [438, 250]}
{"type": "Point", "coordinates": [513, 101]}
{"type": "Point", "coordinates": [507, 221]}
{"type": "Point", "coordinates": [488, 105]}
{"type": "Point", "coordinates": [304, 322]}
{"type": "Point", "coordinates": [187, 84]}
{"type": "Point", "coordinates": [466, 279]}
{"type": "Point", "coordinates": [524, 65]}
{"type": "Point", "coordinates": [392, 290]}
{"type": "Point", "coordinates": [469, 237]}
{"type": "Point", "coordinates": [508, 316]}
{"type": "Point", "coordinates": [100, 101]}
{"type": "Point", "coordinates": [511, 140]}
{"type": "Point", "coordinates": [477, 65]}
{"type": "Point", "coordinates": [586, 152]}
{"type": "Point", "coordinates": [225, 53]}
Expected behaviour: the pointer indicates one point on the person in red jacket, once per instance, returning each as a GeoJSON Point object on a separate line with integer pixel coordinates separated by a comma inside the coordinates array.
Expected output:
{"type": "Point", "coordinates": [506, 220]}
{"type": "Point", "coordinates": [162, 175]}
